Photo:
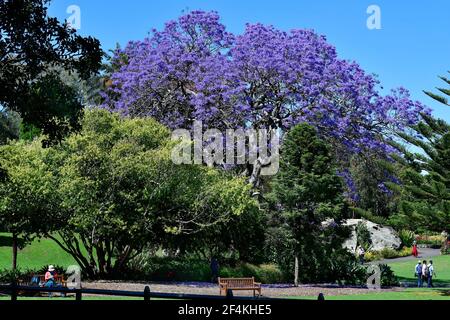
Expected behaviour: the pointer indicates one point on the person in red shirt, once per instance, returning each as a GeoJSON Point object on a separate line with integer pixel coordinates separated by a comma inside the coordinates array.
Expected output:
{"type": "Point", "coordinates": [50, 280]}
{"type": "Point", "coordinates": [415, 252]}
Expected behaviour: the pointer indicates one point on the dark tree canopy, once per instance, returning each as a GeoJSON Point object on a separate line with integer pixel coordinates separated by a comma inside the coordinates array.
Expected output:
{"type": "Point", "coordinates": [31, 46]}
{"type": "Point", "coordinates": [9, 126]}
{"type": "Point", "coordinates": [306, 192]}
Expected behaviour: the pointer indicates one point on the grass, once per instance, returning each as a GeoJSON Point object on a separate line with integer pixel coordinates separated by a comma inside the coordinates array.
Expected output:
{"type": "Point", "coordinates": [406, 294]}
{"type": "Point", "coordinates": [44, 252]}
{"type": "Point", "coordinates": [34, 256]}
{"type": "Point", "coordinates": [405, 270]}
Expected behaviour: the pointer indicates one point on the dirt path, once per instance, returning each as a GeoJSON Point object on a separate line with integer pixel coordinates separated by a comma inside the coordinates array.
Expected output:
{"type": "Point", "coordinates": [272, 291]}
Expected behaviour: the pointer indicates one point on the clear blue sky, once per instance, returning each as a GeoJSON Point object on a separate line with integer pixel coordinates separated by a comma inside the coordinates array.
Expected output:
{"type": "Point", "coordinates": [410, 50]}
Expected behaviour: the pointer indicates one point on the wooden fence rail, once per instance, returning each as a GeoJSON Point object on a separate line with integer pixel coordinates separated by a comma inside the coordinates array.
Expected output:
{"type": "Point", "coordinates": [14, 290]}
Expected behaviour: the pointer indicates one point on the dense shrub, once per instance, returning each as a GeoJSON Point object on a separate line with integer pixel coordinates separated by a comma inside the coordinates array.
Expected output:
{"type": "Point", "coordinates": [346, 270]}
{"type": "Point", "coordinates": [185, 269]}
{"type": "Point", "coordinates": [387, 253]}
{"type": "Point", "coordinates": [407, 237]}
{"type": "Point", "coordinates": [433, 241]}
{"type": "Point", "coordinates": [59, 270]}
{"type": "Point", "coordinates": [266, 273]}
{"type": "Point", "coordinates": [8, 275]}
{"type": "Point", "coordinates": [388, 277]}
{"type": "Point", "coordinates": [167, 269]}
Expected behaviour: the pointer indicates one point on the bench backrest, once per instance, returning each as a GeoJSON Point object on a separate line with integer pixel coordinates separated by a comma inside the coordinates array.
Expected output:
{"type": "Point", "coordinates": [58, 278]}
{"type": "Point", "coordinates": [237, 282]}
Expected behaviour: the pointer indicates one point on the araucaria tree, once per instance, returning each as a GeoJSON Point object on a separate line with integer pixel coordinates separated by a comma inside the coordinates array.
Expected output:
{"type": "Point", "coordinates": [307, 192]}
{"type": "Point", "coordinates": [31, 46]}
{"type": "Point", "coordinates": [425, 203]}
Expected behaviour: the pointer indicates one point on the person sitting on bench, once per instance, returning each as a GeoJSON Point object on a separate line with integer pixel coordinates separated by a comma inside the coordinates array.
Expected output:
{"type": "Point", "coordinates": [50, 280]}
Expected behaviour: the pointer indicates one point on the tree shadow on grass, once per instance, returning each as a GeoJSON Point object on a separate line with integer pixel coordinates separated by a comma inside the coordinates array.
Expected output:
{"type": "Point", "coordinates": [412, 282]}
{"type": "Point", "coordinates": [444, 292]}
{"type": "Point", "coordinates": [6, 241]}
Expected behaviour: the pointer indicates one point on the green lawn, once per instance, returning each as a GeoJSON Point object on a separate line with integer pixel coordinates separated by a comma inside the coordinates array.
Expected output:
{"type": "Point", "coordinates": [40, 253]}
{"type": "Point", "coordinates": [405, 270]}
{"type": "Point", "coordinates": [407, 294]}
{"type": "Point", "coordinates": [45, 251]}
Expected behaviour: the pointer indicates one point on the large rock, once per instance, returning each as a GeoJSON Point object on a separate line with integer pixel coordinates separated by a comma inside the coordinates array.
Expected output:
{"type": "Point", "coordinates": [382, 236]}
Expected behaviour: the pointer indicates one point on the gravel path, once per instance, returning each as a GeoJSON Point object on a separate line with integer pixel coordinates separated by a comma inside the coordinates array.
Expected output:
{"type": "Point", "coordinates": [272, 291]}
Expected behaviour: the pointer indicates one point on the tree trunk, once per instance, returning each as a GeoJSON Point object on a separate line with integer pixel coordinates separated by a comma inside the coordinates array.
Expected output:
{"type": "Point", "coordinates": [14, 251]}
{"type": "Point", "coordinates": [296, 272]}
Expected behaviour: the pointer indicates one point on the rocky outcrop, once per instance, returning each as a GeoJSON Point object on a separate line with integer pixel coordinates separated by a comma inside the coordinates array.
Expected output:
{"type": "Point", "coordinates": [382, 236]}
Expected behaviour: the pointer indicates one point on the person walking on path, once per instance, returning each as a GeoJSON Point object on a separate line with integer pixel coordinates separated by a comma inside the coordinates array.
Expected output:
{"type": "Point", "coordinates": [214, 270]}
{"type": "Point", "coordinates": [431, 274]}
{"type": "Point", "coordinates": [415, 252]}
{"type": "Point", "coordinates": [418, 273]}
{"type": "Point", "coordinates": [361, 255]}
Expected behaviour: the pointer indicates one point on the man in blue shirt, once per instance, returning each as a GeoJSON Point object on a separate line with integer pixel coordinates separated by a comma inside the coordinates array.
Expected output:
{"type": "Point", "coordinates": [418, 273]}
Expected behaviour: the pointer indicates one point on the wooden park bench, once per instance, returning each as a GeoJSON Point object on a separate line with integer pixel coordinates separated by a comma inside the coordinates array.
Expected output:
{"type": "Point", "coordinates": [59, 279]}
{"type": "Point", "coordinates": [249, 284]}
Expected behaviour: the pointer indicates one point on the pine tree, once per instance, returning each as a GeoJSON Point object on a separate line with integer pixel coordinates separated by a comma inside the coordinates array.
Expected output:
{"type": "Point", "coordinates": [426, 174]}
{"type": "Point", "coordinates": [306, 192]}
{"type": "Point", "coordinates": [439, 97]}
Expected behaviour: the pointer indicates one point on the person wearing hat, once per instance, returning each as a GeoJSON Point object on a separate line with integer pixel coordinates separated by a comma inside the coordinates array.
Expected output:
{"type": "Point", "coordinates": [50, 276]}
{"type": "Point", "coordinates": [418, 273]}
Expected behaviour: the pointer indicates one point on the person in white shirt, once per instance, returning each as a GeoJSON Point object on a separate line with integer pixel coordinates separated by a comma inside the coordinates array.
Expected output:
{"type": "Point", "coordinates": [424, 271]}
{"type": "Point", "coordinates": [361, 254]}
{"type": "Point", "coordinates": [431, 273]}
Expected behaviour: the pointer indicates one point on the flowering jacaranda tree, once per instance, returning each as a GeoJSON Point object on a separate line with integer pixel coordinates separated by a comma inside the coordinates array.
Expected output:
{"type": "Point", "coordinates": [195, 70]}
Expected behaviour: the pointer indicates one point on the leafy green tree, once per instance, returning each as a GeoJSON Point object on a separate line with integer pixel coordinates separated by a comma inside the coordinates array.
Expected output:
{"type": "Point", "coordinates": [31, 45]}
{"type": "Point", "coordinates": [26, 192]}
{"type": "Point", "coordinates": [306, 192]}
{"type": "Point", "coordinates": [371, 175]}
{"type": "Point", "coordinates": [119, 191]}
{"type": "Point", "coordinates": [236, 239]}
